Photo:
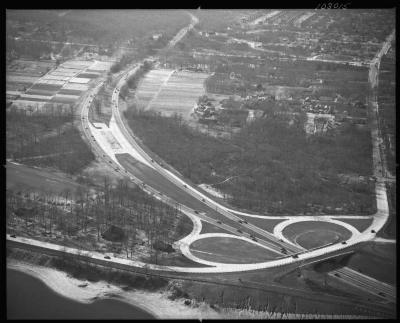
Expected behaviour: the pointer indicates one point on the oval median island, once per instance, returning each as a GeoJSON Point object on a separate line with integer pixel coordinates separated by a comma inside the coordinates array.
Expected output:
{"type": "Point", "coordinates": [313, 234]}
{"type": "Point", "coordinates": [230, 251]}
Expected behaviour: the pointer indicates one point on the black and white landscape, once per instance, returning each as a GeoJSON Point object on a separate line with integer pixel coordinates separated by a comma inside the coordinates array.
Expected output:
{"type": "Point", "coordinates": [229, 164]}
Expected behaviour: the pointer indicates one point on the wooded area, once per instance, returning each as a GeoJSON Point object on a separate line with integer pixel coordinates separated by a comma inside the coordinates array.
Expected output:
{"type": "Point", "coordinates": [81, 218]}
{"type": "Point", "coordinates": [270, 165]}
{"type": "Point", "coordinates": [47, 140]}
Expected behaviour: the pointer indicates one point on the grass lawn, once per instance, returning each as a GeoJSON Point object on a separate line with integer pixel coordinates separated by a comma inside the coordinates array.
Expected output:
{"type": "Point", "coordinates": [176, 259]}
{"type": "Point", "coordinates": [210, 228]}
{"type": "Point", "coordinates": [21, 176]}
{"type": "Point", "coordinates": [359, 224]}
{"type": "Point", "coordinates": [230, 250]}
{"type": "Point", "coordinates": [311, 234]}
{"type": "Point", "coordinates": [265, 224]}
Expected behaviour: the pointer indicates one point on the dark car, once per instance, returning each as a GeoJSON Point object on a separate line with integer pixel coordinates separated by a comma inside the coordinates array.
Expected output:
{"type": "Point", "coordinates": [295, 256]}
{"type": "Point", "coordinates": [382, 294]}
{"type": "Point", "coordinates": [13, 236]}
{"type": "Point", "coordinates": [344, 242]}
{"type": "Point", "coordinates": [203, 200]}
{"type": "Point", "coordinates": [244, 221]}
{"type": "Point", "coordinates": [240, 221]}
{"type": "Point", "coordinates": [254, 239]}
{"type": "Point", "coordinates": [337, 275]}
{"type": "Point", "coordinates": [197, 212]}
{"type": "Point", "coordinates": [373, 231]}
{"type": "Point", "coordinates": [240, 231]}
{"type": "Point", "coordinates": [107, 257]}
{"type": "Point", "coordinates": [219, 222]}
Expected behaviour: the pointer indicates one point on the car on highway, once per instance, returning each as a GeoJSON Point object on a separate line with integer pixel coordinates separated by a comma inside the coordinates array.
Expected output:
{"type": "Point", "coordinates": [295, 256]}
{"type": "Point", "coordinates": [254, 239]}
{"type": "Point", "coordinates": [240, 221]}
{"type": "Point", "coordinates": [373, 231]}
{"type": "Point", "coordinates": [203, 200]}
{"type": "Point", "coordinates": [382, 294]}
{"type": "Point", "coordinates": [13, 236]}
{"type": "Point", "coordinates": [184, 185]}
{"type": "Point", "coordinates": [245, 222]}
{"type": "Point", "coordinates": [107, 257]}
{"type": "Point", "coordinates": [336, 274]}
{"type": "Point", "coordinates": [219, 222]}
{"type": "Point", "coordinates": [195, 211]}
{"type": "Point", "coordinates": [240, 231]}
{"type": "Point", "coordinates": [344, 242]}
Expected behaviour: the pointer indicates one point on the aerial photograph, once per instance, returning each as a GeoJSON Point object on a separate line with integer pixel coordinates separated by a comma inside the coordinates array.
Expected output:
{"type": "Point", "coordinates": [200, 163]}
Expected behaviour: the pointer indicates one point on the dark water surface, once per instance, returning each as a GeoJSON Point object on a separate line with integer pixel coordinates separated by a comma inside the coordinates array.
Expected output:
{"type": "Point", "coordinates": [30, 298]}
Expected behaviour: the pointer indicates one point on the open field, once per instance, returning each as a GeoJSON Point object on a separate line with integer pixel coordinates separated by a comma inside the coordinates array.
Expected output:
{"type": "Point", "coordinates": [64, 84]}
{"type": "Point", "coordinates": [171, 92]}
{"type": "Point", "coordinates": [220, 250]}
{"type": "Point", "coordinates": [311, 234]}
{"type": "Point", "coordinates": [42, 180]}
{"type": "Point", "coordinates": [150, 85]}
{"type": "Point", "coordinates": [359, 224]}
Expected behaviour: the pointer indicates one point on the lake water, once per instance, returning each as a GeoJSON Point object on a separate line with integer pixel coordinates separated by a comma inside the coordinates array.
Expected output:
{"type": "Point", "coordinates": [30, 298]}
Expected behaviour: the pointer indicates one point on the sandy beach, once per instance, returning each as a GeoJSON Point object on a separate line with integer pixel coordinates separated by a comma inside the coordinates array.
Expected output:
{"type": "Point", "coordinates": [156, 303]}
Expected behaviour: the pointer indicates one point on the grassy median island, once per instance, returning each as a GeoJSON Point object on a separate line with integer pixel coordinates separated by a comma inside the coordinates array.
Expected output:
{"type": "Point", "coordinates": [219, 249]}
{"type": "Point", "coordinates": [269, 166]}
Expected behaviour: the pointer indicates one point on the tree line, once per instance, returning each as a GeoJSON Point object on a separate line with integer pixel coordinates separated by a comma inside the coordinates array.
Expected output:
{"type": "Point", "coordinates": [47, 140]}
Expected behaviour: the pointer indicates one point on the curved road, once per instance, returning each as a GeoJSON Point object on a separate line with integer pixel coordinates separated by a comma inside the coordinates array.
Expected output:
{"type": "Point", "coordinates": [198, 206]}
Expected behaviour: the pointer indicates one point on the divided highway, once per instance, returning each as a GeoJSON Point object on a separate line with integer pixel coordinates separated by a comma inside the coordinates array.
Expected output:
{"type": "Point", "coordinates": [166, 186]}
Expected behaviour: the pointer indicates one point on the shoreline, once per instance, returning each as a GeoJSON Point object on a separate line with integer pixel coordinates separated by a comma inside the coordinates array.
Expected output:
{"type": "Point", "coordinates": [155, 303]}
